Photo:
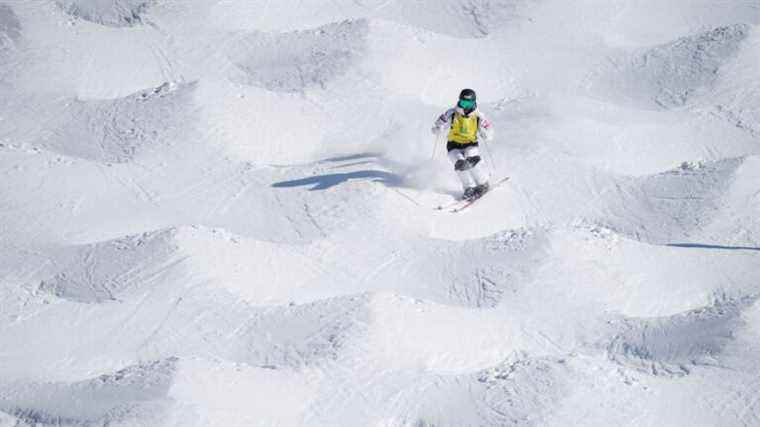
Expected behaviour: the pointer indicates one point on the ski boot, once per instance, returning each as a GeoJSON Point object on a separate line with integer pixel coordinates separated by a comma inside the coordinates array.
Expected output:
{"type": "Point", "coordinates": [470, 193]}
{"type": "Point", "coordinates": [481, 189]}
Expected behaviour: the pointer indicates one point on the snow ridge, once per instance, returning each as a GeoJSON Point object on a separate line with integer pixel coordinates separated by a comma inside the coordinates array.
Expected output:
{"type": "Point", "coordinates": [201, 202]}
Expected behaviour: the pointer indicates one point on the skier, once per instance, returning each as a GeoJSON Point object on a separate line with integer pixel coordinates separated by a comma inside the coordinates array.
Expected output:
{"type": "Point", "coordinates": [465, 124]}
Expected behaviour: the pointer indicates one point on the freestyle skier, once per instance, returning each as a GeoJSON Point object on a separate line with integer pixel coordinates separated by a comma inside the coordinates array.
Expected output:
{"type": "Point", "coordinates": [465, 123]}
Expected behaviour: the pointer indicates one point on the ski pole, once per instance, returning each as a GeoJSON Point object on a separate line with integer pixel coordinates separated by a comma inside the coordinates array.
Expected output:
{"type": "Point", "coordinates": [490, 156]}
{"type": "Point", "coordinates": [436, 138]}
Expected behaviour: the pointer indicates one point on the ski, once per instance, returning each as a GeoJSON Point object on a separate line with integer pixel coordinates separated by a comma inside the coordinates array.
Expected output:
{"type": "Point", "coordinates": [451, 205]}
{"type": "Point", "coordinates": [470, 202]}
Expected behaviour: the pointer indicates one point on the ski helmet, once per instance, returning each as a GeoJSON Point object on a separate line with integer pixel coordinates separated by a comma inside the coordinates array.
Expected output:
{"type": "Point", "coordinates": [467, 101]}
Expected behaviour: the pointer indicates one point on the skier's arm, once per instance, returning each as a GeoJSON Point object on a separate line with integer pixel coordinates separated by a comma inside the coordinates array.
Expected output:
{"type": "Point", "coordinates": [486, 130]}
{"type": "Point", "coordinates": [443, 121]}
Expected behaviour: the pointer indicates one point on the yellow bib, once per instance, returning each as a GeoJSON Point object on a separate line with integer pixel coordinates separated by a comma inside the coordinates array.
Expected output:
{"type": "Point", "coordinates": [464, 130]}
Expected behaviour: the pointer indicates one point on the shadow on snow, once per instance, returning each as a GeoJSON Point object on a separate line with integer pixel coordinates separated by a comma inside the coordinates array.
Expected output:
{"type": "Point", "coordinates": [323, 182]}
{"type": "Point", "coordinates": [359, 156]}
{"type": "Point", "coordinates": [703, 246]}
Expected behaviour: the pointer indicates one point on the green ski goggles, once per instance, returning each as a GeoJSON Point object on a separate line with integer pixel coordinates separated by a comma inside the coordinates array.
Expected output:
{"type": "Point", "coordinates": [466, 104]}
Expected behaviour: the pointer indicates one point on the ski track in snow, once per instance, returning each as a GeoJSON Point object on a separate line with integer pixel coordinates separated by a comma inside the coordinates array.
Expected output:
{"type": "Point", "coordinates": [220, 213]}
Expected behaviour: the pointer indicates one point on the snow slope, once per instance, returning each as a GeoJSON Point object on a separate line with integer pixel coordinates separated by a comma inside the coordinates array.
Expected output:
{"type": "Point", "coordinates": [221, 213]}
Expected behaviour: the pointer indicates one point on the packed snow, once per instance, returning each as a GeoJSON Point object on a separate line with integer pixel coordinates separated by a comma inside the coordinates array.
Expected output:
{"type": "Point", "coordinates": [223, 213]}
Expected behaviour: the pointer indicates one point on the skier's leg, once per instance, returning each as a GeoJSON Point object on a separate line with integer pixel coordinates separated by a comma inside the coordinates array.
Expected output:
{"type": "Point", "coordinates": [462, 166]}
{"type": "Point", "coordinates": [477, 165]}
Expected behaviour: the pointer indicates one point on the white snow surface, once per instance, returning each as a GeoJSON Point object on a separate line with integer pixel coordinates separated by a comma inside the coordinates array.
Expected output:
{"type": "Point", "coordinates": [221, 213]}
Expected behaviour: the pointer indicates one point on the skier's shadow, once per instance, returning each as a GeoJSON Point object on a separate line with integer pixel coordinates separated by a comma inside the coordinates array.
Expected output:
{"type": "Point", "coordinates": [323, 182]}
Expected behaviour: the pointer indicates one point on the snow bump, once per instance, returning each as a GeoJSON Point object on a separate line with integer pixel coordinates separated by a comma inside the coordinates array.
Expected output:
{"type": "Point", "coordinates": [673, 345]}
{"type": "Point", "coordinates": [671, 75]}
{"type": "Point", "coordinates": [299, 60]}
{"type": "Point", "coordinates": [116, 131]}
{"type": "Point", "coordinates": [461, 19]}
{"type": "Point", "coordinates": [134, 395]}
{"type": "Point", "coordinates": [518, 392]}
{"type": "Point", "coordinates": [10, 27]}
{"type": "Point", "coordinates": [489, 278]}
{"type": "Point", "coordinates": [673, 205]}
{"type": "Point", "coordinates": [112, 13]}
{"type": "Point", "coordinates": [101, 272]}
{"type": "Point", "coordinates": [302, 335]}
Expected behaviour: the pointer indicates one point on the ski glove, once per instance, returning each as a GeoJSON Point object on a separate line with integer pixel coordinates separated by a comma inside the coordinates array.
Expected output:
{"type": "Point", "coordinates": [435, 130]}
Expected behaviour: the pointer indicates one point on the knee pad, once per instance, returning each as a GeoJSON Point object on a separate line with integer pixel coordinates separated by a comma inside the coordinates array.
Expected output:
{"type": "Point", "coordinates": [473, 161]}
{"type": "Point", "coordinates": [462, 165]}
